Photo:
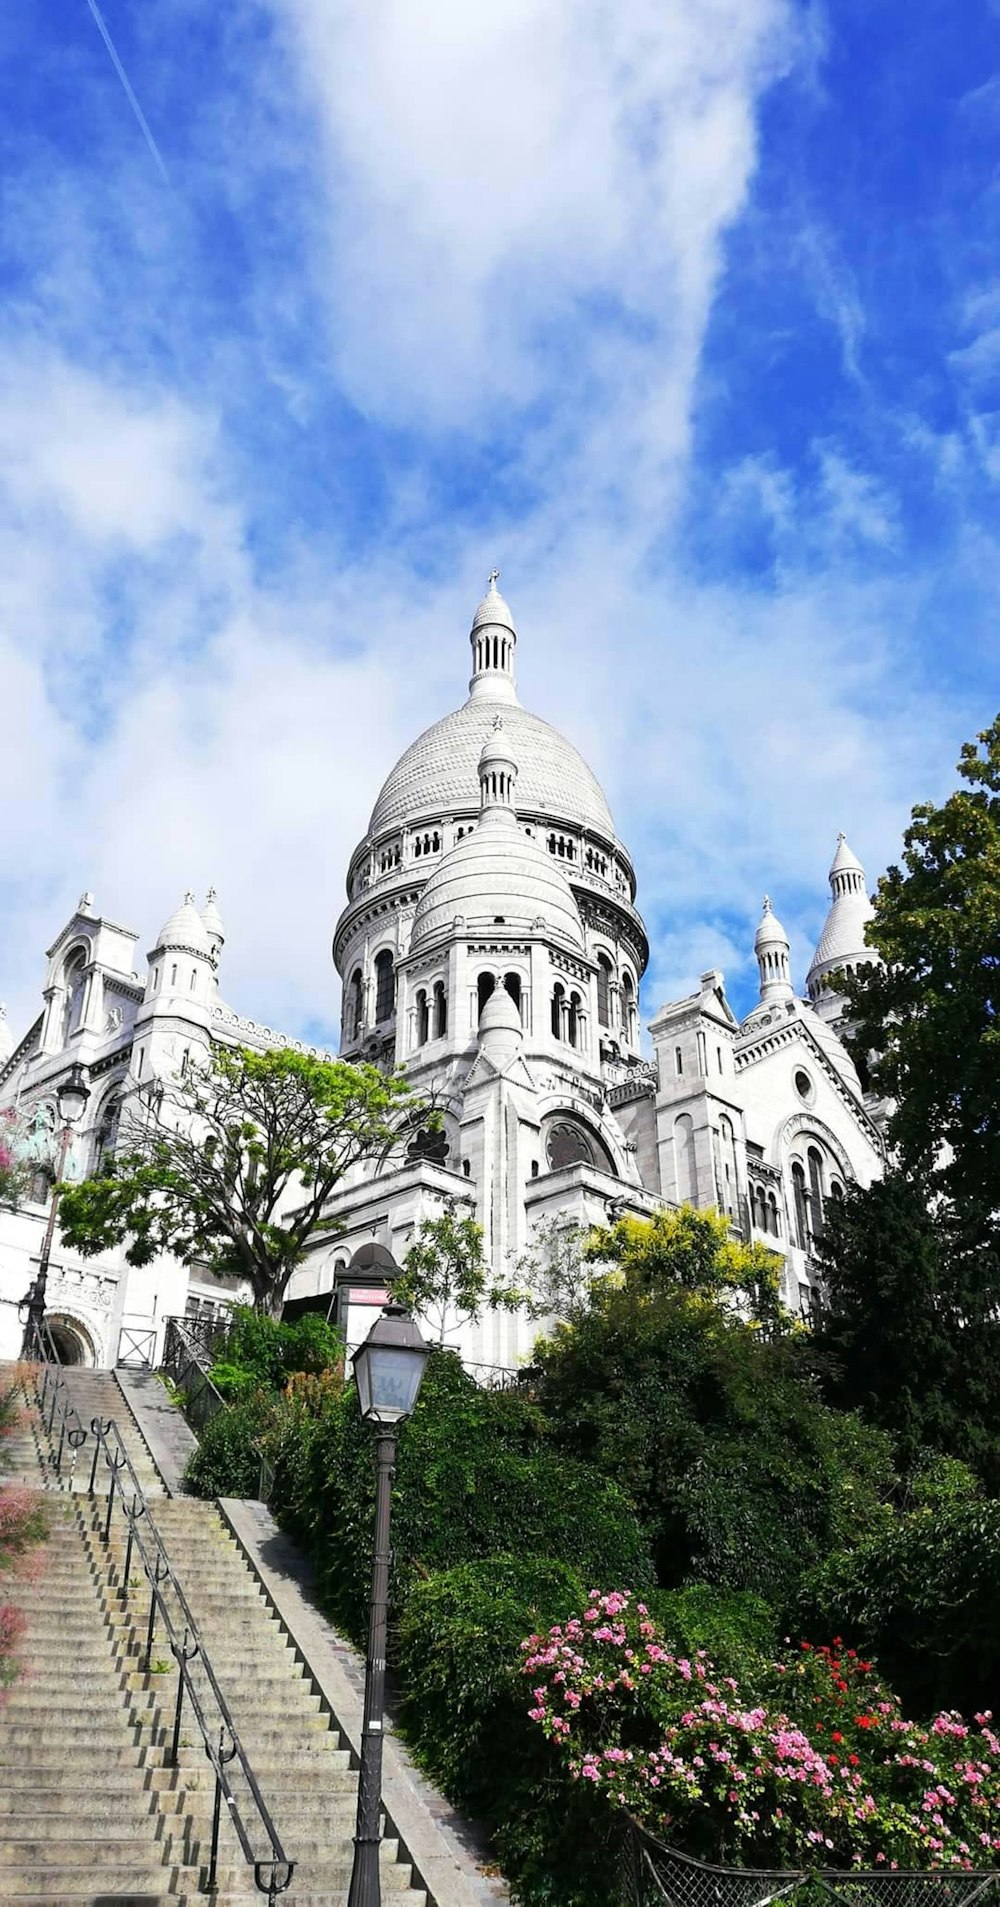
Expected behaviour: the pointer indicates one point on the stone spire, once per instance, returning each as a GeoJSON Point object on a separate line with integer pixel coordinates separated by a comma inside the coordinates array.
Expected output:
{"type": "Point", "coordinates": [494, 639]}
{"type": "Point", "coordinates": [842, 942]}
{"type": "Point", "coordinates": [772, 948]}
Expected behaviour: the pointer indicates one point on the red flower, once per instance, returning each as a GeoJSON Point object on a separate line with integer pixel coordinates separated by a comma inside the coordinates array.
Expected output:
{"type": "Point", "coordinates": [833, 1760]}
{"type": "Point", "coordinates": [836, 1736]}
{"type": "Point", "coordinates": [854, 1759]}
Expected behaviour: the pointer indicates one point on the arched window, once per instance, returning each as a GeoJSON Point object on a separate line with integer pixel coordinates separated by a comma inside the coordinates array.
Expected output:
{"type": "Point", "coordinates": [484, 987]}
{"type": "Point", "coordinates": [574, 1028]}
{"type": "Point", "coordinates": [801, 1207]}
{"type": "Point", "coordinates": [759, 1197]}
{"type": "Point", "coordinates": [355, 994]}
{"type": "Point", "coordinates": [569, 1141]}
{"type": "Point", "coordinates": [385, 986]}
{"type": "Point", "coordinates": [685, 1172]}
{"type": "Point", "coordinates": [423, 1017]}
{"type": "Point", "coordinates": [440, 1010]}
{"type": "Point", "coordinates": [628, 1007]}
{"type": "Point", "coordinates": [815, 1162]}
{"type": "Point", "coordinates": [727, 1167]}
{"type": "Point", "coordinates": [773, 1215]}
{"type": "Point", "coordinates": [558, 999]}
{"type": "Point", "coordinates": [512, 982]}
{"type": "Point", "coordinates": [74, 983]}
{"type": "Point", "coordinates": [106, 1137]}
{"type": "Point", "coordinates": [603, 990]}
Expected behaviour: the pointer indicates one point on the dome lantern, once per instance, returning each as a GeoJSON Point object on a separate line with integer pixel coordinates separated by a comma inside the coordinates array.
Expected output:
{"type": "Point", "coordinates": [772, 948]}
{"type": "Point", "coordinates": [494, 639]}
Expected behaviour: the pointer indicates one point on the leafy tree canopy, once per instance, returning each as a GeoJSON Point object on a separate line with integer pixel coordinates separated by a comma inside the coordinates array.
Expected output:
{"type": "Point", "coordinates": [237, 1165]}
{"type": "Point", "coordinates": [742, 1475]}
{"type": "Point", "coordinates": [695, 1250]}
{"type": "Point", "coordinates": [445, 1277]}
{"type": "Point", "coordinates": [927, 1020]}
{"type": "Point", "coordinates": [908, 1334]}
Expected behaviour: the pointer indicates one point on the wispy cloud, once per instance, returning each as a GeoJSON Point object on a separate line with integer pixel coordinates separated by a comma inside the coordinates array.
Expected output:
{"type": "Point", "coordinates": [428, 292]}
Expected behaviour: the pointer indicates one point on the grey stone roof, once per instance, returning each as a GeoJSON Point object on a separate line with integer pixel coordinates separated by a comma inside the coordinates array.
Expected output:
{"type": "Point", "coordinates": [438, 774]}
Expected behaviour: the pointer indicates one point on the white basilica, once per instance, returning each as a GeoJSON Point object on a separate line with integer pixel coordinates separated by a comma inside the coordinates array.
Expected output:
{"type": "Point", "coordinates": [491, 946]}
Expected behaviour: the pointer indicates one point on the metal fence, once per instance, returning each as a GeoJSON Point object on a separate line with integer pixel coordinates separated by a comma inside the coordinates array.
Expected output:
{"type": "Point", "coordinates": [186, 1360]}
{"type": "Point", "coordinates": [137, 1347]}
{"type": "Point", "coordinates": [656, 1874]}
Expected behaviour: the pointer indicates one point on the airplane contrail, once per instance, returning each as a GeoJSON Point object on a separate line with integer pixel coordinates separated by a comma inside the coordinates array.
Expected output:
{"type": "Point", "coordinates": [129, 94]}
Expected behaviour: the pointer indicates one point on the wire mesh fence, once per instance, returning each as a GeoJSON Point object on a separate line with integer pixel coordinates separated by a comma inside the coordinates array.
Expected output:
{"type": "Point", "coordinates": [657, 1874]}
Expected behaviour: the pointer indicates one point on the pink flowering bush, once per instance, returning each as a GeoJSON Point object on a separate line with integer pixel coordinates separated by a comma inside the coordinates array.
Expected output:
{"type": "Point", "coordinates": [812, 1763]}
{"type": "Point", "coordinates": [15, 1171]}
{"type": "Point", "coordinates": [22, 1527]}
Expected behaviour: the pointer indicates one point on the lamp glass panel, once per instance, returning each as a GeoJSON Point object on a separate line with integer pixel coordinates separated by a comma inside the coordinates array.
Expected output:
{"type": "Point", "coordinates": [394, 1375]}
{"type": "Point", "coordinates": [73, 1097]}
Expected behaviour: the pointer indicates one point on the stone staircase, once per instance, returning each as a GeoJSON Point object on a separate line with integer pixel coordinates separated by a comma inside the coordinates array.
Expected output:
{"type": "Point", "coordinates": [90, 1809]}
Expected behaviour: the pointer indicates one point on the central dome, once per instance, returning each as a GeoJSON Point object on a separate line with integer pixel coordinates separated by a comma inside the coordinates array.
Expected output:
{"type": "Point", "coordinates": [438, 773]}
{"type": "Point", "coordinates": [497, 875]}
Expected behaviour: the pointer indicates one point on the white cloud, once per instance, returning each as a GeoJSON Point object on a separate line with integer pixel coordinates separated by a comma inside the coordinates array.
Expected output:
{"type": "Point", "coordinates": [520, 186]}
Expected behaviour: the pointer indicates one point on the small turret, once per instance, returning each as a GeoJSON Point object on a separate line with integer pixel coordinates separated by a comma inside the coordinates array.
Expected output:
{"type": "Point", "coordinates": [185, 929]}
{"type": "Point", "coordinates": [841, 945]}
{"type": "Point", "coordinates": [494, 639]}
{"type": "Point", "coordinates": [772, 948]}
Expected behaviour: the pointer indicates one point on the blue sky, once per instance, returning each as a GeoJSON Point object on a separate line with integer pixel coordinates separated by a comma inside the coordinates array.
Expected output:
{"type": "Point", "coordinates": [685, 313]}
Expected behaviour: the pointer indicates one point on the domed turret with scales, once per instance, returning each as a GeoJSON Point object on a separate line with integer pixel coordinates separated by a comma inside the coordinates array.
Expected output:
{"type": "Point", "coordinates": [841, 945]}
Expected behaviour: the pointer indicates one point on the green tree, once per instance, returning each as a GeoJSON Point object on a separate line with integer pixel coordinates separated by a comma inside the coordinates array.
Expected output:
{"type": "Point", "coordinates": [446, 1278]}
{"type": "Point", "coordinates": [742, 1475]}
{"type": "Point", "coordinates": [696, 1251]}
{"type": "Point", "coordinates": [235, 1171]}
{"type": "Point", "coordinates": [906, 1334]}
{"type": "Point", "coordinates": [926, 1022]}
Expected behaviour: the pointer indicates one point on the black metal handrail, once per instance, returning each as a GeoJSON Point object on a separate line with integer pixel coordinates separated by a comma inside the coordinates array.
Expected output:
{"type": "Point", "coordinates": [54, 1398]}
{"type": "Point", "coordinates": [187, 1647]}
{"type": "Point", "coordinates": [188, 1360]}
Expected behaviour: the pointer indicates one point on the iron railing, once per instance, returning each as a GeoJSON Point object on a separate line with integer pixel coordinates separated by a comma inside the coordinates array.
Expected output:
{"type": "Point", "coordinates": [655, 1874]}
{"type": "Point", "coordinates": [56, 1406]}
{"type": "Point", "coordinates": [187, 1360]}
{"type": "Point", "coordinates": [235, 1781]}
{"type": "Point", "coordinates": [169, 1611]}
{"type": "Point", "coordinates": [137, 1347]}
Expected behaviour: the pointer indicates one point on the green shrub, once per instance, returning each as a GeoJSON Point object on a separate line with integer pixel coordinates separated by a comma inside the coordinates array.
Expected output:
{"type": "Point", "coordinates": [742, 1476]}
{"type": "Point", "coordinates": [922, 1598]}
{"type": "Point", "coordinates": [262, 1350]}
{"type": "Point", "coordinates": [465, 1712]}
{"type": "Point", "coordinates": [732, 1625]}
{"type": "Point", "coordinates": [227, 1460]}
{"type": "Point", "coordinates": [472, 1468]}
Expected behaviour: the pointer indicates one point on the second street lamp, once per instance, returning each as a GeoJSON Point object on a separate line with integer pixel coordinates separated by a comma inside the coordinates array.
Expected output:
{"type": "Point", "coordinates": [71, 1098]}
{"type": "Point", "coordinates": [387, 1370]}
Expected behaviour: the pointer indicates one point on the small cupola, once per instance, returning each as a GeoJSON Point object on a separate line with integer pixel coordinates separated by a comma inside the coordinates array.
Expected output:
{"type": "Point", "coordinates": [772, 948]}
{"type": "Point", "coordinates": [494, 639]}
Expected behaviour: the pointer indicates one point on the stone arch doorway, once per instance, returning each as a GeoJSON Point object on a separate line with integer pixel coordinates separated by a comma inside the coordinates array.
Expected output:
{"type": "Point", "coordinates": [73, 1344]}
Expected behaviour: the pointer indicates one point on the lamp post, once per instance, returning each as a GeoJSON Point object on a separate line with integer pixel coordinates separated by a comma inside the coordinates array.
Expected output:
{"type": "Point", "coordinates": [387, 1370]}
{"type": "Point", "coordinates": [71, 1099]}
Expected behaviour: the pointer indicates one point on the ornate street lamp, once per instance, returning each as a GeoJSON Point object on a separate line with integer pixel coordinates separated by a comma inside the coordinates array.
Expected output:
{"type": "Point", "coordinates": [71, 1099]}
{"type": "Point", "coordinates": [387, 1370]}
